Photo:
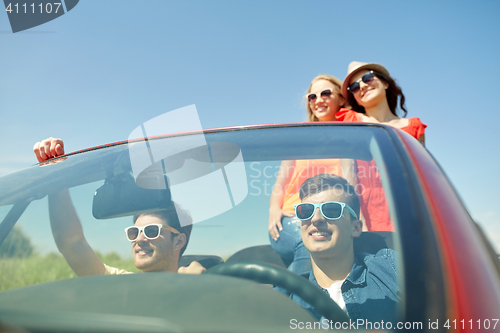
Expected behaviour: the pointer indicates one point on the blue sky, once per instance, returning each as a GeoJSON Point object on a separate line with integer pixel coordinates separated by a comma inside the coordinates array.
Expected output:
{"type": "Point", "coordinates": [96, 73]}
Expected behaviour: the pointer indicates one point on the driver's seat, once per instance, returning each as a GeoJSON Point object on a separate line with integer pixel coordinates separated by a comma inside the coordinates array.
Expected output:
{"type": "Point", "coordinates": [373, 241]}
{"type": "Point", "coordinates": [205, 260]}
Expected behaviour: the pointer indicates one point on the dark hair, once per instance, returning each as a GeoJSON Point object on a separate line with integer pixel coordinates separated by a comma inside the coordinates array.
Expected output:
{"type": "Point", "coordinates": [324, 182]}
{"type": "Point", "coordinates": [170, 217]}
{"type": "Point", "coordinates": [393, 92]}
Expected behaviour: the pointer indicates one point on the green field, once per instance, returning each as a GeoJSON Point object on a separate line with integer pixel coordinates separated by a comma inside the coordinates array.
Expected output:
{"type": "Point", "coordinates": [20, 272]}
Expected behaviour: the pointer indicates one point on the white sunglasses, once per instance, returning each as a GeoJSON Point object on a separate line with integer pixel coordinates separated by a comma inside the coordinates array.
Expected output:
{"type": "Point", "coordinates": [151, 231]}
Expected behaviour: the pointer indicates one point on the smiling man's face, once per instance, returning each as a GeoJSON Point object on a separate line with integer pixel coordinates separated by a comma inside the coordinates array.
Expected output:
{"type": "Point", "coordinates": [329, 238]}
{"type": "Point", "coordinates": [156, 255]}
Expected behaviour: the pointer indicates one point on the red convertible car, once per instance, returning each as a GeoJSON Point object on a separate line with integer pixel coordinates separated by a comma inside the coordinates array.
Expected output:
{"type": "Point", "coordinates": [450, 274]}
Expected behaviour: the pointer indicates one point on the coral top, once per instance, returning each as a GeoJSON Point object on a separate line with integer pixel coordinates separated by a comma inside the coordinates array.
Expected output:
{"type": "Point", "coordinates": [415, 127]}
{"type": "Point", "coordinates": [304, 169]}
{"type": "Point", "coordinates": [373, 200]}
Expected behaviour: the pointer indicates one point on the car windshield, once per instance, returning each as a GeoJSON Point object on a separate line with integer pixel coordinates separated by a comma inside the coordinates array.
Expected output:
{"type": "Point", "coordinates": [221, 182]}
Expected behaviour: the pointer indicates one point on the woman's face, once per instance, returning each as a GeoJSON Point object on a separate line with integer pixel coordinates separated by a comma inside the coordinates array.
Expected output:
{"type": "Point", "coordinates": [325, 106]}
{"type": "Point", "coordinates": [369, 94]}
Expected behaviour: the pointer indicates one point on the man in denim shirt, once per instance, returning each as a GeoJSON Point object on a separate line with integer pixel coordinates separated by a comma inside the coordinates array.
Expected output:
{"type": "Point", "coordinates": [364, 285]}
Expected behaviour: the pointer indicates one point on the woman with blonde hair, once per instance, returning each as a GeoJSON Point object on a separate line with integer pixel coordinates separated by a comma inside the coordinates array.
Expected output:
{"type": "Point", "coordinates": [324, 99]}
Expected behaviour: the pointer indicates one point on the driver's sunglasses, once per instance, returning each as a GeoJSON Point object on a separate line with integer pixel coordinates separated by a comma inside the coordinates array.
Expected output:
{"type": "Point", "coordinates": [331, 210]}
{"type": "Point", "coordinates": [367, 78]}
{"type": "Point", "coordinates": [151, 231]}
{"type": "Point", "coordinates": [325, 93]}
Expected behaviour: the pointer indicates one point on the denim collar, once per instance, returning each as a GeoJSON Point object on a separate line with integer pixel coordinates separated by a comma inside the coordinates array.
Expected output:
{"type": "Point", "coordinates": [358, 271]}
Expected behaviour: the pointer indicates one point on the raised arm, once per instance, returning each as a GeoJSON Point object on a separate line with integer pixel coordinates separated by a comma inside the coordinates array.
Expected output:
{"type": "Point", "coordinates": [68, 235]}
{"type": "Point", "coordinates": [64, 222]}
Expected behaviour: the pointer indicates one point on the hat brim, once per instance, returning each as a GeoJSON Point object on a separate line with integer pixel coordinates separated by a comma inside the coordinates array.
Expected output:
{"type": "Point", "coordinates": [374, 66]}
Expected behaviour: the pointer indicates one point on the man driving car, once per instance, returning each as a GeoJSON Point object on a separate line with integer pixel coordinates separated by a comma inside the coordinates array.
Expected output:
{"type": "Point", "coordinates": [364, 285]}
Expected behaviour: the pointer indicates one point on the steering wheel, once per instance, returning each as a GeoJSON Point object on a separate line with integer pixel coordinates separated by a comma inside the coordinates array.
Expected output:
{"type": "Point", "coordinates": [296, 284]}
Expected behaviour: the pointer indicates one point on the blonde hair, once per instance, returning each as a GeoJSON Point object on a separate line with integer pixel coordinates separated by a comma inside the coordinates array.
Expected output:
{"type": "Point", "coordinates": [336, 82]}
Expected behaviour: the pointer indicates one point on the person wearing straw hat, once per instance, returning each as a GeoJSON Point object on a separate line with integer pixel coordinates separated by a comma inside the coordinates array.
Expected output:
{"type": "Point", "coordinates": [374, 97]}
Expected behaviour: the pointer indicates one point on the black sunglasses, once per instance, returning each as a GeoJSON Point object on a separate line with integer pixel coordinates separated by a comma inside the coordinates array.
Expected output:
{"type": "Point", "coordinates": [367, 78]}
{"type": "Point", "coordinates": [325, 93]}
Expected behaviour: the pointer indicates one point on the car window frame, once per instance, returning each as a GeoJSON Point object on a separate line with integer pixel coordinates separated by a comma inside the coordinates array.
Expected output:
{"type": "Point", "coordinates": [420, 250]}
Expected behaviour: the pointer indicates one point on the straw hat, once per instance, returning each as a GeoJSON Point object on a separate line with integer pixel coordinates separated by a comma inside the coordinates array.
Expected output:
{"type": "Point", "coordinates": [355, 67]}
